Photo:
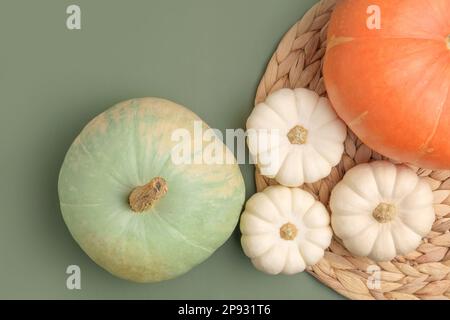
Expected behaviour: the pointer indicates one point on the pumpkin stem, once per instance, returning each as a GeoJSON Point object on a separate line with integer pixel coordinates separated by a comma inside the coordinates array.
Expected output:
{"type": "Point", "coordinates": [143, 197]}
{"type": "Point", "coordinates": [298, 135]}
{"type": "Point", "coordinates": [384, 212]}
{"type": "Point", "coordinates": [448, 41]}
{"type": "Point", "coordinates": [288, 231]}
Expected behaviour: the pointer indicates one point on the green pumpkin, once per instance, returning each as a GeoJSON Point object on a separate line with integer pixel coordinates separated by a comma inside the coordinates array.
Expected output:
{"type": "Point", "coordinates": [131, 208]}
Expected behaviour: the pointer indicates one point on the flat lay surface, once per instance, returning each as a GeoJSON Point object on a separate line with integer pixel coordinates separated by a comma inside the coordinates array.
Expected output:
{"type": "Point", "coordinates": [208, 55]}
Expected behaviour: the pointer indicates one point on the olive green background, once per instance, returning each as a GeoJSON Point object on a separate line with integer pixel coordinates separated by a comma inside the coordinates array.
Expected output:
{"type": "Point", "coordinates": [206, 54]}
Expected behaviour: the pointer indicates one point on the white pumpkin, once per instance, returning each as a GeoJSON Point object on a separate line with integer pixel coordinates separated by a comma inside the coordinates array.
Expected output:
{"type": "Point", "coordinates": [381, 210]}
{"type": "Point", "coordinates": [295, 137]}
{"type": "Point", "coordinates": [284, 230]}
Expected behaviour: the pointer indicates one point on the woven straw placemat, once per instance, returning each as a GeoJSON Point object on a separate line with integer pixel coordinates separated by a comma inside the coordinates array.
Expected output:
{"type": "Point", "coordinates": [422, 274]}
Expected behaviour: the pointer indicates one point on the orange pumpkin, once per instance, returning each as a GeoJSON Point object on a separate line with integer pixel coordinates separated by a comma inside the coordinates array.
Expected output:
{"type": "Point", "coordinates": [391, 84]}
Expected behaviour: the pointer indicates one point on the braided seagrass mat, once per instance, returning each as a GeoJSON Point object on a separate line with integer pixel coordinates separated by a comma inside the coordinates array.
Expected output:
{"type": "Point", "coordinates": [422, 274]}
